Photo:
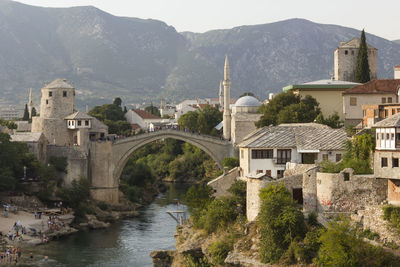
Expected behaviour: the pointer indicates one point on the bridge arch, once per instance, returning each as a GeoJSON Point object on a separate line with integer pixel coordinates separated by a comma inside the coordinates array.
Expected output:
{"type": "Point", "coordinates": [122, 149]}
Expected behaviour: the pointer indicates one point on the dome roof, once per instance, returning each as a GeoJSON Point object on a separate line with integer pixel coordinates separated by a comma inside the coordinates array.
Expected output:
{"type": "Point", "coordinates": [247, 101]}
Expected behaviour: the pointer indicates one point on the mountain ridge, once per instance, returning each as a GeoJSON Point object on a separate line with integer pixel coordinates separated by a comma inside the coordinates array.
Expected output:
{"type": "Point", "coordinates": [146, 59]}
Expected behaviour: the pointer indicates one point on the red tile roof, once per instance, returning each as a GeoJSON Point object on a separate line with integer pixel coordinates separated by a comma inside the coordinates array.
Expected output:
{"type": "Point", "coordinates": [135, 126]}
{"type": "Point", "coordinates": [377, 86]}
{"type": "Point", "coordinates": [144, 114]}
{"type": "Point", "coordinates": [397, 67]}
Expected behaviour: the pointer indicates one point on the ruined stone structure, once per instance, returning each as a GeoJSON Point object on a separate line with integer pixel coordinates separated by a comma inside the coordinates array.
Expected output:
{"type": "Point", "coordinates": [345, 60]}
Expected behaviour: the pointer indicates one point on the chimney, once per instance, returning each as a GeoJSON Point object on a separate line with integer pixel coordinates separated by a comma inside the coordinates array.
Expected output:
{"type": "Point", "coordinates": [397, 72]}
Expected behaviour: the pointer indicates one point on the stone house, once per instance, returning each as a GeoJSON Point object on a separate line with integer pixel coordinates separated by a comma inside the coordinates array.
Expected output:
{"type": "Point", "coordinates": [36, 142]}
{"type": "Point", "coordinates": [378, 91]}
{"type": "Point", "coordinates": [269, 149]}
{"type": "Point", "coordinates": [387, 155]}
{"type": "Point", "coordinates": [328, 93]}
{"type": "Point", "coordinates": [374, 113]}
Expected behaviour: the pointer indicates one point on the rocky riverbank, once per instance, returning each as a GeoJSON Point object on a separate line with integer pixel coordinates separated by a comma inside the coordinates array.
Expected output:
{"type": "Point", "coordinates": [194, 245]}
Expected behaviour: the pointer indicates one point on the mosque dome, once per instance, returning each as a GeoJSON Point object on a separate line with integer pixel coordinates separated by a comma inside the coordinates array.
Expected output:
{"type": "Point", "coordinates": [247, 101]}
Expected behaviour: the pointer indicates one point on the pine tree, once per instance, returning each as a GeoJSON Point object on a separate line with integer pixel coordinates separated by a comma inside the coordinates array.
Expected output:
{"type": "Point", "coordinates": [26, 113]}
{"type": "Point", "coordinates": [362, 70]}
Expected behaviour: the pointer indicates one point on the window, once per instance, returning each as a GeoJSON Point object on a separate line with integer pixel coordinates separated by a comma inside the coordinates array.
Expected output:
{"type": "Point", "coordinates": [387, 136]}
{"type": "Point", "coordinates": [389, 100]}
{"type": "Point", "coordinates": [377, 136]}
{"type": "Point", "coordinates": [364, 113]}
{"type": "Point", "coordinates": [393, 111]}
{"type": "Point", "coordinates": [50, 94]}
{"type": "Point", "coordinates": [386, 113]}
{"type": "Point", "coordinates": [346, 52]}
{"type": "Point", "coordinates": [395, 162]}
{"type": "Point", "coordinates": [86, 123]}
{"type": "Point", "coordinates": [259, 171]}
{"type": "Point", "coordinates": [64, 93]}
{"type": "Point", "coordinates": [392, 136]}
{"type": "Point", "coordinates": [47, 101]}
{"type": "Point", "coordinates": [384, 162]}
{"type": "Point", "coordinates": [346, 176]}
{"type": "Point", "coordinates": [79, 123]}
{"type": "Point", "coordinates": [268, 172]}
{"type": "Point", "coordinates": [353, 101]}
{"type": "Point", "coordinates": [262, 154]}
{"type": "Point", "coordinates": [383, 136]}
{"type": "Point", "coordinates": [398, 136]}
{"type": "Point", "coordinates": [279, 173]}
{"type": "Point", "coordinates": [375, 113]}
{"type": "Point", "coordinates": [284, 155]}
{"type": "Point", "coordinates": [324, 157]}
{"type": "Point", "coordinates": [383, 100]}
{"type": "Point", "coordinates": [338, 157]}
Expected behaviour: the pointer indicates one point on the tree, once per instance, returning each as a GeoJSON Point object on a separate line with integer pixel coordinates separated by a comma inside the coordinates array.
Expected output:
{"type": "Point", "coordinates": [288, 108]}
{"type": "Point", "coordinates": [153, 110]}
{"type": "Point", "coordinates": [362, 69]}
{"type": "Point", "coordinates": [33, 112]}
{"type": "Point", "coordinates": [107, 112]}
{"type": "Point", "coordinates": [117, 101]}
{"type": "Point", "coordinates": [332, 121]}
{"type": "Point", "coordinates": [280, 222]}
{"type": "Point", "coordinates": [247, 94]}
{"type": "Point", "coordinates": [230, 162]}
{"type": "Point", "coordinates": [26, 113]}
{"type": "Point", "coordinates": [202, 121]}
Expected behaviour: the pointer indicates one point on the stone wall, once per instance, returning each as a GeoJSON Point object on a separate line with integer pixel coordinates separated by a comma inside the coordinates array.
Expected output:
{"type": "Point", "coordinates": [253, 201]}
{"type": "Point", "coordinates": [77, 162]}
{"type": "Point", "coordinates": [310, 190]}
{"type": "Point", "coordinates": [224, 182]}
{"type": "Point", "coordinates": [372, 218]}
{"type": "Point", "coordinates": [345, 192]}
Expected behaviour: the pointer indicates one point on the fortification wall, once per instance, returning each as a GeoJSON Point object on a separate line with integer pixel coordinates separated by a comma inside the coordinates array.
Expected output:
{"type": "Point", "coordinates": [346, 192]}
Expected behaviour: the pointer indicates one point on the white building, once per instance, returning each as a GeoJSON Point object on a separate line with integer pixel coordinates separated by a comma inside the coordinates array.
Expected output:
{"type": "Point", "coordinates": [141, 118]}
{"type": "Point", "coordinates": [267, 150]}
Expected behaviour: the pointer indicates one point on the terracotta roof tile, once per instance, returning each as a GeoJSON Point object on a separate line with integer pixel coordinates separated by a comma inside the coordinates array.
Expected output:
{"type": "Point", "coordinates": [377, 86]}
{"type": "Point", "coordinates": [144, 114]}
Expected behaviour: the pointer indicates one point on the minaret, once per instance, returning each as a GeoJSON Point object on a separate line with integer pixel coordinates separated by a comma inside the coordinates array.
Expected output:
{"type": "Point", "coordinates": [221, 95]}
{"type": "Point", "coordinates": [227, 100]}
{"type": "Point", "coordinates": [30, 103]}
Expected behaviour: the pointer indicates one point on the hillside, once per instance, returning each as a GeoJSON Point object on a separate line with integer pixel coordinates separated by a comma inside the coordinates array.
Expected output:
{"type": "Point", "coordinates": [108, 56]}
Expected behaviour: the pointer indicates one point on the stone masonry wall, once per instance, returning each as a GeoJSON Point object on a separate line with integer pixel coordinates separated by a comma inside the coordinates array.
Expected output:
{"type": "Point", "coordinates": [310, 190]}
{"type": "Point", "coordinates": [224, 182]}
{"type": "Point", "coordinates": [338, 193]}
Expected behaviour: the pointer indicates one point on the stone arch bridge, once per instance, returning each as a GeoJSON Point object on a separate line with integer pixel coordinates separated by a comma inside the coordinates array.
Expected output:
{"type": "Point", "coordinates": [107, 159]}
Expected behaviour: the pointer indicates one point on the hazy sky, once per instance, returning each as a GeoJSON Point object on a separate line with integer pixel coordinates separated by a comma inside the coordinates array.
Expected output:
{"type": "Point", "coordinates": [377, 17]}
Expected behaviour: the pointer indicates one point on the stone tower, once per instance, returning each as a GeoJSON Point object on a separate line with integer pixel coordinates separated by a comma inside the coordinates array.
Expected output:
{"type": "Point", "coordinates": [345, 60]}
{"type": "Point", "coordinates": [30, 103]}
{"type": "Point", "coordinates": [57, 102]}
{"type": "Point", "coordinates": [221, 95]}
{"type": "Point", "coordinates": [227, 101]}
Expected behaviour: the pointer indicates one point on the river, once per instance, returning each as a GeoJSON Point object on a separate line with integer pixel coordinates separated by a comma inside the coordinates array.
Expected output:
{"type": "Point", "coordinates": [126, 243]}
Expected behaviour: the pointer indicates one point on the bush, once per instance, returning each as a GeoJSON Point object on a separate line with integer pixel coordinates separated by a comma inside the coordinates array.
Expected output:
{"type": "Point", "coordinates": [367, 233]}
{"type": "Point", "coordinates": [231, 162]}
{"type": "Point", "coordinates": [219, 214]}
{"type": "Point", "coordinates": [77, 193]}
{"type": "Point", "coordinates": [59, 163]}
{"type": "Point", "coordinates": [280, 222]}
{"type": "Point", "coordinates": [312, 219]}
{"type": "Point", "coordinates": [340, 246]}
{"type": "Point", "coordinates": [219, 250]}
{"type": "Point", "coordinates": [103, 205]}
{"type": "Point", "coordinates": [392, 214]}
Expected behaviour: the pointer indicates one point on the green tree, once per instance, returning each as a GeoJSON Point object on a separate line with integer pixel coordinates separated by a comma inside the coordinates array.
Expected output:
{"type": "Point", "coordinates": [202, 121]}
{"type": "Point", "coordinates": [247, 94]}
{"type": "Point", "coordinates": [332, 121]}
{"type": "Point", "coordinates": [230, 162]}
{"type": "Point", "coordinates": [107, 112]}
{"type": "Point", "coordinates": [189, 120]}
{"type": "Point", "coordinates": [33, 112]}
{"type": "Point", "coordinates": [280, 222]}
{"type": "Point", "coordinates": [117, 101]}
{"type": "Point", "coordinates": [26, 113]}
{"type": "Point", "coordinates": [362, 69]}
{"type": "Point", "coordinates": [153, 110]}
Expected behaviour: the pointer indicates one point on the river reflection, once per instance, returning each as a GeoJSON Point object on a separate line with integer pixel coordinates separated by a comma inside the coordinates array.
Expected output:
{"type": "Point", "coordinates": [127, 243]}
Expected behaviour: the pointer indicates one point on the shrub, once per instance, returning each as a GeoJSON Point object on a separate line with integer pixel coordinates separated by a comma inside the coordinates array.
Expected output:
{"type": "Point", "coordinates": [340, 246]}
{"type": "Point", "coordinates": [367, 233]}
{"type": "Point", "coordinates": [280, 222]}
{"type": "Point", "coordinates": [312, 219]}
{"type": "Point", "coordinates": [392, 214]}
{"type": "Point", "coordinates": [238, 191]}
{"type": "Point", "coordinates": [77, 193]}
{"type": "Point", "coordinates": [103, 205]}
{"type": "Point", "coordinates": [219, 214]}
{"type": "Point", "coordinates": [219, 250]}
{"type": "Point", "coordinates": [59, 163]}
{"type": "Point", "coordinates": [231, 162]}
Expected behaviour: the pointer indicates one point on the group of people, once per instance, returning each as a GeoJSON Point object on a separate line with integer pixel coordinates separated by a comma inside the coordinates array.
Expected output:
{"type": "Point", "coordinates": [17, 232]}
{"type": "Point", "coordinates": [11, 255]}
{"type": "Point", "coordinates": [54, 223]}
